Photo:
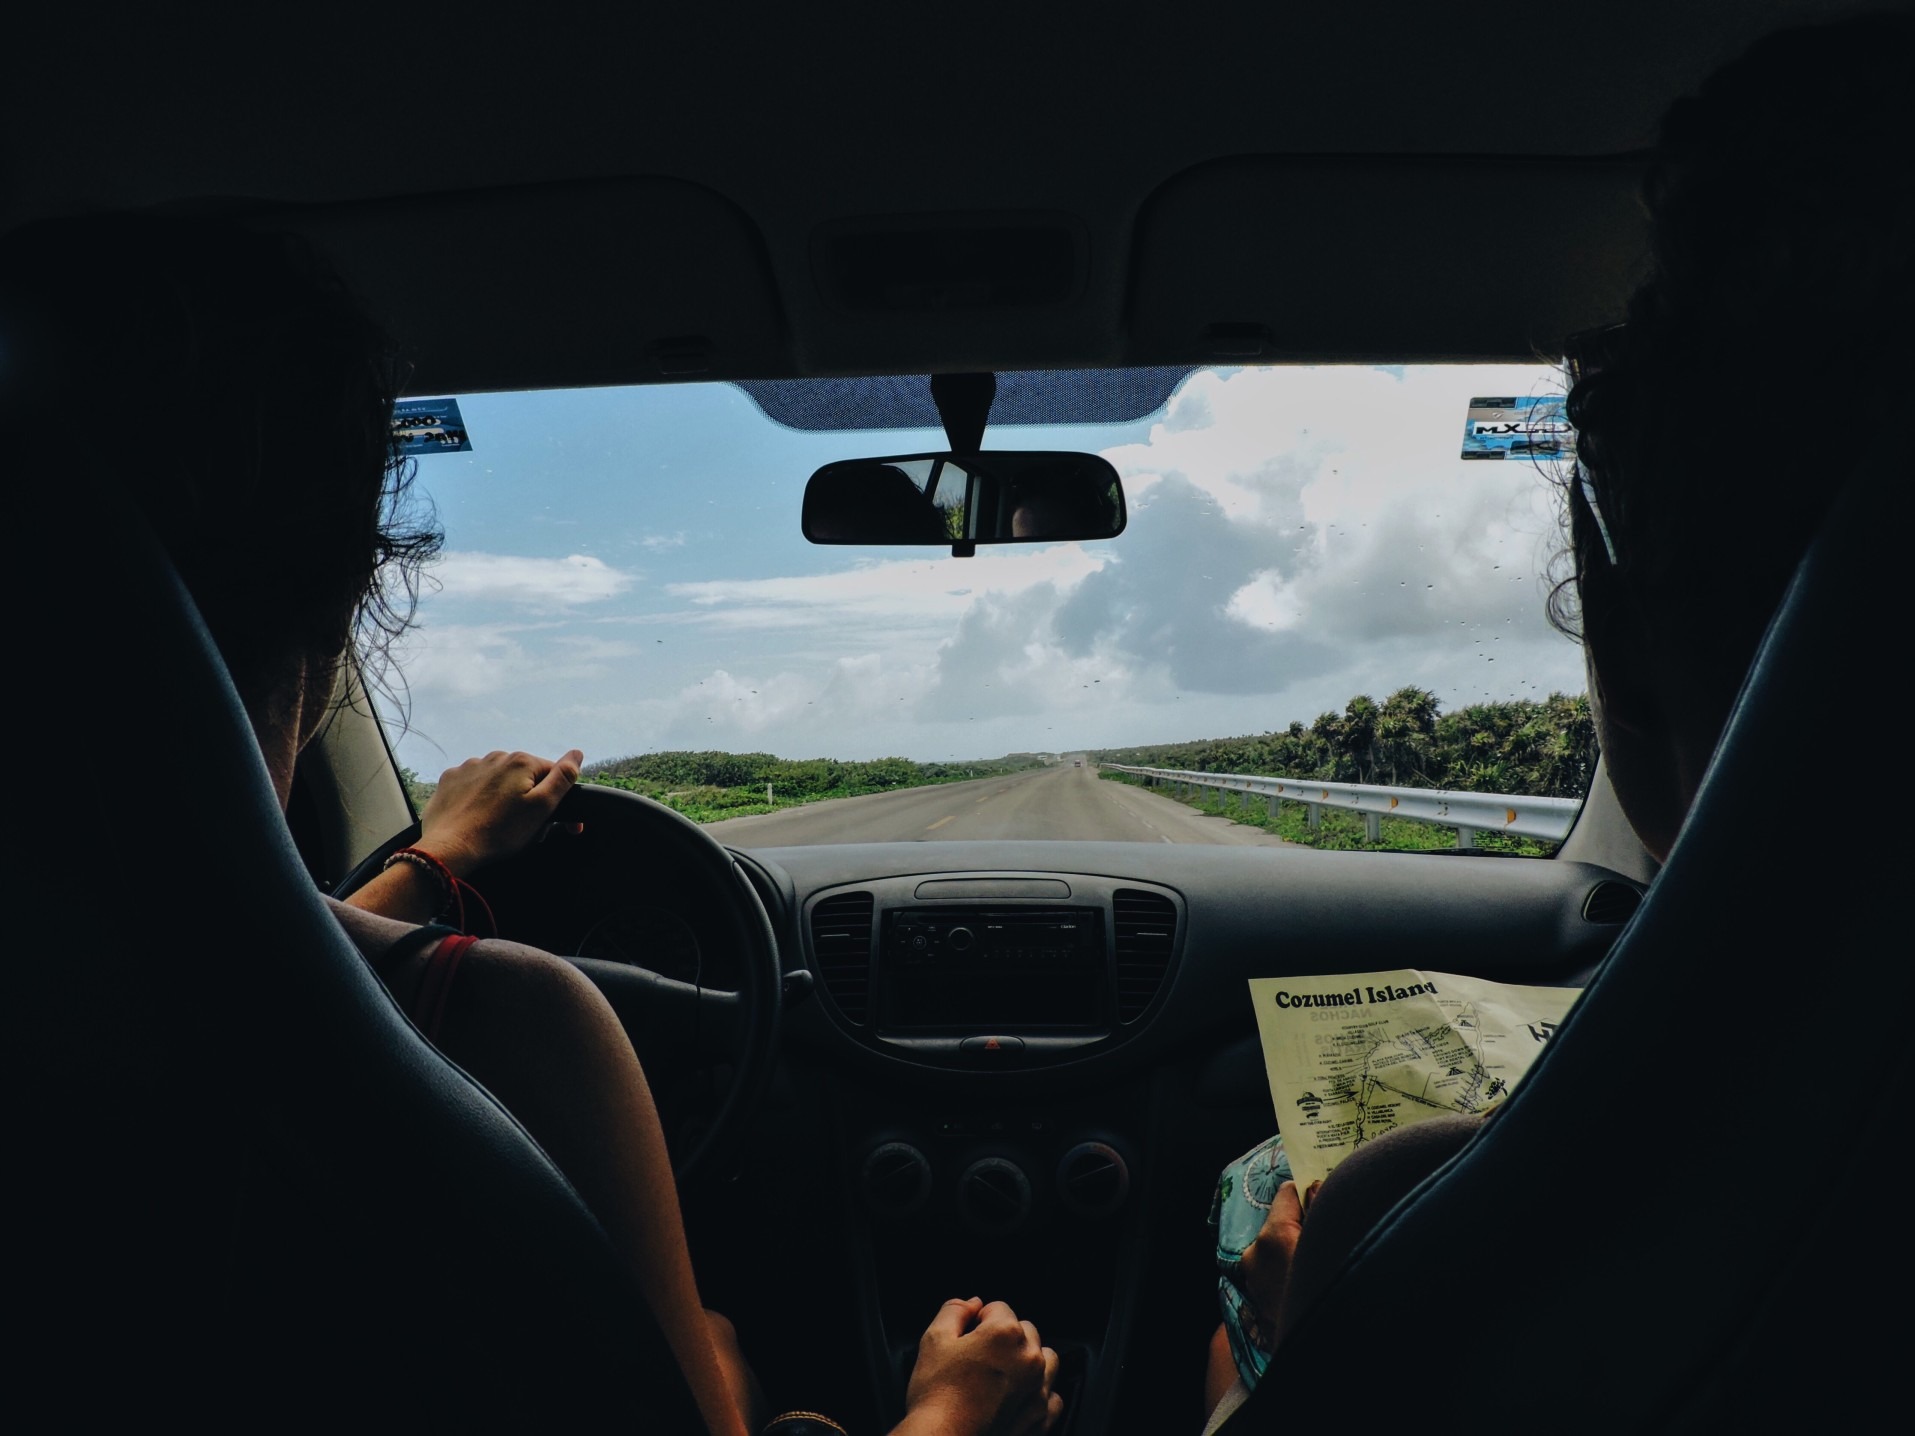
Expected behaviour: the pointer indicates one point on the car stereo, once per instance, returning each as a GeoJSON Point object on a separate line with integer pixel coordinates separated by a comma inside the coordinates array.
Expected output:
{"type": "Point", "coordinates": [990, 969]}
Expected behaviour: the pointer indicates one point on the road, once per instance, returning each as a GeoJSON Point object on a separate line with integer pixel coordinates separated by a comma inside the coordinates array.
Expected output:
{"type": "Point", "coordinates": [1045, 803]}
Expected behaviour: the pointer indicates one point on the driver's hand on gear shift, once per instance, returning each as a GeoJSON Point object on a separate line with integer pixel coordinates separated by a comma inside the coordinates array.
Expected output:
{"type": "Point", "coordinates": [980, 1372]}
{"type": "Point", "coordinates": [491, 807]}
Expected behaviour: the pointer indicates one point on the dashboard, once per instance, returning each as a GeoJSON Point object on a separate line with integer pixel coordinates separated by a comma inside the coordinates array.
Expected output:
{"type": "Point", "coordinates": [1083, 950]}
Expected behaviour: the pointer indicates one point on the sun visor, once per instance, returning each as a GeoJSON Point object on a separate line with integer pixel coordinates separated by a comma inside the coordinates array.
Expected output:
{"type": "Point", "coordinates": [1273, 259]}
{"type": "Point", "coordinates": [625, 281]}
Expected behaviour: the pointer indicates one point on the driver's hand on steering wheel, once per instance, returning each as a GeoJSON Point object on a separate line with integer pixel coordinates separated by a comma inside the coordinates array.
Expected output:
{"type": "Point", "coordinates": [492, 807]}
{"type": "Point", "coordinates": [484, 809]}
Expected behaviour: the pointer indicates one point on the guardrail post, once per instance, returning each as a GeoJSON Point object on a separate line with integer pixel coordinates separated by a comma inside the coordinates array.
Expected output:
{"type": "Point", "coordinates": [1275, 801]}
{"type": "Point", "coordinates": [1466, 837]}
{"type": "Point", "coordinates": [1312, 816]}
{"type": "Point", "coordinates": [1373, 827]}
{"type": "Point", "coordinates": [1245, 804]}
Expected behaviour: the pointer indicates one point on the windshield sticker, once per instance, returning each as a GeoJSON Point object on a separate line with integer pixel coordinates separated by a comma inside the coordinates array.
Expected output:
{"type": "Point", "coordinates": [428, 426]}
{"type": "Point", "coordinates": [1512, 427]}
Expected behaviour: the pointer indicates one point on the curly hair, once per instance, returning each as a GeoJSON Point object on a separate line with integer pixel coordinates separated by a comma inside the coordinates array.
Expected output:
{"type": "Point", "coordinates": [226, 383]}
{"type": "Point", "coordinates": [1717, 423]}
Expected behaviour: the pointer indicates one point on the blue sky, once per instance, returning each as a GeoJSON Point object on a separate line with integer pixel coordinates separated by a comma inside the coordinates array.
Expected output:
{"type": "Point", "coordinates": [624, 572]}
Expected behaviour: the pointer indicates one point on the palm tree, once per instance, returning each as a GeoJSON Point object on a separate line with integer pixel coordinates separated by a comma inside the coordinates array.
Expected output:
{"type": "Point", "coordinates": [1405, 729]}
{"type": "Point", "coordinates": [1358, 735]}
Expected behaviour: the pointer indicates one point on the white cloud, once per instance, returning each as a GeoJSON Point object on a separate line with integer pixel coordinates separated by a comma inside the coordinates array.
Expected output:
{"type": "Point", "coordinates": [897, 590]}
{"type": "Point", "coordinates": [1267, 601]}
{"type": "Point", "coordinates": [465, 661]}
{"type": "Point", "coordinates": [1306, 511]}
{"type": "Point", "coordinates": [542, 583]}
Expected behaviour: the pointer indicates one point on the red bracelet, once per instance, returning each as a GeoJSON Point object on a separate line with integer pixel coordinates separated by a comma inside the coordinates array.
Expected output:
{"type": "Point", "coordinates": [456, 889]}
{"type": "Point", "coordinates": [466, 890]}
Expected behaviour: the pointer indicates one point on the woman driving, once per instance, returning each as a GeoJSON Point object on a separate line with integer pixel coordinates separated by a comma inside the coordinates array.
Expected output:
{"type": "Point", "coordinates": [267, 395]}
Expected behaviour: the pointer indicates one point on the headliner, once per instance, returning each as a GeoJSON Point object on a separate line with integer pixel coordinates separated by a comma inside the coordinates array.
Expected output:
{"type": "Point", "coordinates": [654, 186]}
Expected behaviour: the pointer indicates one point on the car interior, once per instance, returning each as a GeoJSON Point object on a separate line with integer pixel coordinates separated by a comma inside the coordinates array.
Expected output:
{"type": "Point", "coordinates": [248, 1173]}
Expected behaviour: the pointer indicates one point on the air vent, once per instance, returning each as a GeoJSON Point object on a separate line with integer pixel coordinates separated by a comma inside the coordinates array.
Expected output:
{"type": "Point", "coordinates": [1611, 902]}
{"type": "Point", "coordinates": [1146, 929]}
{"type": "Point", "coordinates": [841, 946]}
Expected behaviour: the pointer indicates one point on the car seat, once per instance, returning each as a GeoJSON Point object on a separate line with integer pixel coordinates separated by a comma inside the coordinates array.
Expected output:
{"type": "Point", "coordinates": [253, 1193]}
{"type": "Point", "coordinates": [1682, 1219]}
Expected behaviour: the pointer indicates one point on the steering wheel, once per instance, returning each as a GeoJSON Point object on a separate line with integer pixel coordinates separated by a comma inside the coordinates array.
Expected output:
{"type": "Point", "coordinates": [672, 1024]}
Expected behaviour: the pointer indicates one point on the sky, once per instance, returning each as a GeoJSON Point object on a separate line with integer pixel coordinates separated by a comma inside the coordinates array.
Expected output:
{"type": "Point", "coordinates": [623, 573]}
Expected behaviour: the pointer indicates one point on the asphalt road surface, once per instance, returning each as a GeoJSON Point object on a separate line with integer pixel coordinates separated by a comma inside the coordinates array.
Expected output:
{"type": "Point", "coordinates": [1045, 803]}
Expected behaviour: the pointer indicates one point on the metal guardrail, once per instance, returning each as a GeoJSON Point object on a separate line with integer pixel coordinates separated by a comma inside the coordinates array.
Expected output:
{"type": "Point", "coordinates": [1469, 813]}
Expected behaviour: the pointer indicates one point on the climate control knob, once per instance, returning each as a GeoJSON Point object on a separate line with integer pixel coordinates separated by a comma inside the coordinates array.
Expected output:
{"type": "Point", "coordinates": [1093, 1179]}
{"type": "Point", "coordinates": [994, 1195]}
{"type": "Point", "coordinates": [896, 1179]}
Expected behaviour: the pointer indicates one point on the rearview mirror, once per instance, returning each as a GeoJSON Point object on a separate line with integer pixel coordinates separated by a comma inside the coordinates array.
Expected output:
{"type": "Point", "coordinates": [964, 500]}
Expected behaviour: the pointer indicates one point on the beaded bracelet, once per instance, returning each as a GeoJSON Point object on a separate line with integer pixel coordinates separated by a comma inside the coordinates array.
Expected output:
{"type": "Point", "coordinates": [802, 1423]}
{"type": "Point", "coordinates": [426, 863]}
{"type": "Point", "coordinates": [456, 889]}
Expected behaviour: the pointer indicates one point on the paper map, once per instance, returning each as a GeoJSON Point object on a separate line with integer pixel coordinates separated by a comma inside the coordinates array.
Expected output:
{"type": "Point", "coordinates": [1355, 1055]}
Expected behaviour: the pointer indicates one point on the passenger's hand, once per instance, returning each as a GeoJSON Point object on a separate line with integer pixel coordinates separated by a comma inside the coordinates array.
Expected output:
{"type": "Point", "coordinates": [1267, 1260]}
{"type": "Point", "coordinates": [981, 1372]}
{"type": "Point", "coordinates": [491, 807]}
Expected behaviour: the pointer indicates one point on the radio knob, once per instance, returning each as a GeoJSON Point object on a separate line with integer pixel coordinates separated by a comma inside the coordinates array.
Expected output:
{"type": "Point", "coordinates": [960, 939]}
{"type": "Point", "coordinates": [1093, 1179]}
{"type": "Point", "coordinates": [995, 1195]}
{"type": "Point", "coordinates": [896, 1179]}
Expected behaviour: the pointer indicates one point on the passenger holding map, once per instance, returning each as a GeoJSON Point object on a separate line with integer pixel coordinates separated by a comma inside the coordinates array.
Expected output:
{"type": "Point", "coordinates": [1353, 1059]}
{"type": "Point", "coordinates": [1778, 229]}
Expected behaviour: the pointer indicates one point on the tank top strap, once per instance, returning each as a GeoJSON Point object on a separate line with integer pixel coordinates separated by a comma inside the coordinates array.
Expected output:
{"type": "Point", "coordinates": [387, 962]}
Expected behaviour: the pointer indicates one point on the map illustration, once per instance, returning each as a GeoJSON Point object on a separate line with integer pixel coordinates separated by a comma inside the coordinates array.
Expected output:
{"type": "Point", "coordinates": [1352, 1056]}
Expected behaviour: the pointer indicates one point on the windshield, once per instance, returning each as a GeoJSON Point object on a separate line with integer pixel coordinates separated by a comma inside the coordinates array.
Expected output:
{"type": "Point", "coordinates": [1315, 584]}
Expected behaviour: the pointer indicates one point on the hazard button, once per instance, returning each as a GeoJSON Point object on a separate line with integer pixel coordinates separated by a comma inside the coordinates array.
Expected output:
{"type": "Point", "coordinates": [987, 1047]}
